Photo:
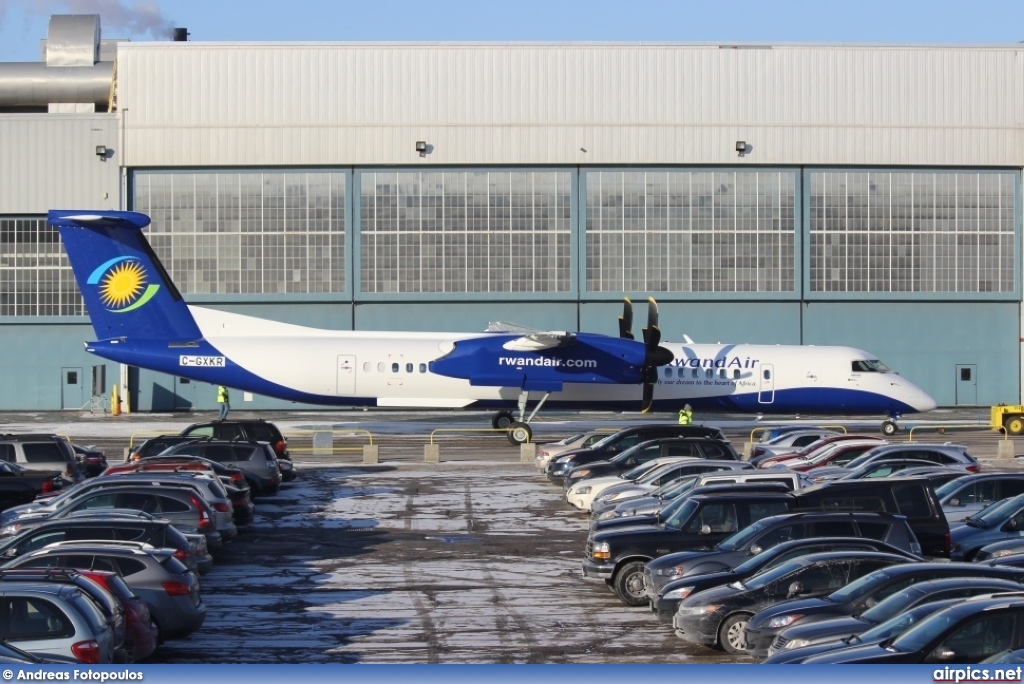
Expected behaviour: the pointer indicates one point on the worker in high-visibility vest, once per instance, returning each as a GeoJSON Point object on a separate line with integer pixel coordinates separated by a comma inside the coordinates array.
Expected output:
{"type": "Point", "coordinates": [686, 415]}
{"type": "Point", "coordinates": [224, 399]}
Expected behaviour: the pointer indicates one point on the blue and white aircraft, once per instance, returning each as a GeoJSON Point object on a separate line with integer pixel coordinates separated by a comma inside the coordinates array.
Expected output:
{"type": "Point", "coordinates": [142, 320]}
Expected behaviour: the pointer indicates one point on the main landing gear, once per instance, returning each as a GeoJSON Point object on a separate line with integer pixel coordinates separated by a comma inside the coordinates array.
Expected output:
{"type": "Point", "coordinates": [519, 431]}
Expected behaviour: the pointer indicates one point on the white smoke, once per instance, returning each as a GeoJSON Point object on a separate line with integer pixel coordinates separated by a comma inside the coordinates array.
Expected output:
{"type": "Point", "coordinates": [134, 18]}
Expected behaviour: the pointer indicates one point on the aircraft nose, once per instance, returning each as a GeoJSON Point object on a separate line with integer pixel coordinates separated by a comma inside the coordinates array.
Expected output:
{"type": "Point", "coordinates": [922, 401]}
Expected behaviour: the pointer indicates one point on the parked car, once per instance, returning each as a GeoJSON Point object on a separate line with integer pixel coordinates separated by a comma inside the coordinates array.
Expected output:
{"type": "Point", "coordinates": [768, 532]}
{"type": "Point", "coordinates": [246, 430]}
{"type": "Point", "coordinates": [1000, 549]}
{"type": "Point", "coordinates": [967, 495]}
{"type": "Point", "coordinates": [170, 590]}
{"type": "Point", "coordinates": [936, 476]}
{"type": "Point", "coordinates": [939, 454]}
{"type": "Point", "coordinates": [41, 452]}
{"type": "Point", "coordinates": [256, 460]}
{"type": "Point", "coordinates": [655, 449]}
{"type": "Point", "coordinates": [665, 600]}
{"type": "Point", "coordinates": [835, 454]}
{"type": "Point", "coordinates": [822, 631]}
{"type": "Point", "coordinates": [54, 620]}
{"type": "Point", "coordinates": [20, 486]}
{"type": "Point", "coordinates": [91, 459]}
{"type": "Point", "coordinates": [998, 522]}
{"type": "Point", "coordinates": [155, 446]}
{"type": "Point", "coordinates": [718, 617]}
{"type": "Point", "coordinates": [624, 439]}
{"type": "Point", "coordinates": [967, 632]}
{"type": "Point", "coordinates": [822, 449]}
{"type": "Point", "coordinates": [887, 467]}
{"type": "Point", "coordinates": [93, 527]}
{"type": "Point", "coordinates": [856, 597]}
{"type": "Point", "coordinates": [141, 632]}
{"type": "Point", "coordinates": [665, 475]}
{"type": "Point", "coordinates": [789, 442]}
{"type": "Point", "coordinates": [888, 630]}
{"type": "Point", "coordinates": [618, 555]}
{"type": "Point", "coordinates": [580, 440]}
{"type": "Point", "coordinates": [112, 610]}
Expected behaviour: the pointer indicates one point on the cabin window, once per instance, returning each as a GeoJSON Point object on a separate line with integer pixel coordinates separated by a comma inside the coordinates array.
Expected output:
{"type": "Point", "coordinates": [710, 373]}
{"type": "Point", "coordinates": [694, 372]}
{"type": "Point", "coordinates": [736, 373]}
{"type": "Point", "coordinates": [394, 368]}
{"type": "Point", "coordinates": [367, 366]}
{"type": "Point", "coordinates": [423, 368]}
{"type": "Point", "coordinates": [380, 367]}
{"type": "Point", "coordinates": [721, 373]}
{"type": "Point", "coordinates": [408, 368]}
{"type": "Point", "coordinates": [767, 374]}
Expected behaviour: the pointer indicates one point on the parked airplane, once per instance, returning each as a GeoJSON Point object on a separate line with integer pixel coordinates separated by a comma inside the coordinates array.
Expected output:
{"type": "Point", "coordinates": [141, 319]}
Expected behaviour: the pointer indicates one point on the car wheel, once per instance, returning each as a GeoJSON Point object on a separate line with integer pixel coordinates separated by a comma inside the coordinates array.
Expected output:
{"type": "Point", "coordinates": [731, 634]}
{"type": "Point", "coordinates": [520, 433]}
{"type": "Point", "coordinates": [629, 584]}
{"type": "Point", "coordinates": [502, 420]}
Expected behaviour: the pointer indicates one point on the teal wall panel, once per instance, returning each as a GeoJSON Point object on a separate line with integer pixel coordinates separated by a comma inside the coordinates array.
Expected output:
{"type": "Point", "coordinates": [468, 317]}
{"type": "Point", "coordinates": [926, 342]}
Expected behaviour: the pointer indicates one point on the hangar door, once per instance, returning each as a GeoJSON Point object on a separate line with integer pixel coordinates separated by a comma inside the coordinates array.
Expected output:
{"type": "Point", "coordinates": [966, 385]}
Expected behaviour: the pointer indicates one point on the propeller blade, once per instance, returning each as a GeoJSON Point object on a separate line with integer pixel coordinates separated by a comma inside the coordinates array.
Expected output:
{"type": "Point", "coordinates": [655, 355]}
{"type": "Point", "coordinates": [648, 397]}
{"type": "Point", "coordinates": [652, 335]}
{"type": "Point", "coordinates": [626, 320]}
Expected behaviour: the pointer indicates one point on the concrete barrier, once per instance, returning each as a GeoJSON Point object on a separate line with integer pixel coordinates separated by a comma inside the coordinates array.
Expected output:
{"type": "Point", "coordinates": [371, 454]}
{"type": "Point", "coordinates": [527, 452]}
{"type": "Point", "coordinates": [432, 453]}
{"type": "Point", "coordinates": [748, 448]}
{"type": "Point", "coordinates": [323, 443]}
{"type": "Point", "coordinates": [1005, 449]}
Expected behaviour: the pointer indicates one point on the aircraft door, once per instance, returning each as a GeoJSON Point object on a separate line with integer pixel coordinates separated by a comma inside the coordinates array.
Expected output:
{"type": "Point", "coordinates": [71, 392]}
{"type": "Point", "coordinates": [346, 374]}
{"type": "Point", "coordinates": [966, 385]}
{"type": "Point", "coordinates": [766, 395]}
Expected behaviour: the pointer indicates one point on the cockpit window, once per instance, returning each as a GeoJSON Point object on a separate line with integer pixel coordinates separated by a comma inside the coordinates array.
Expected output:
{"type": "Point", "coordinates": [872, 366]}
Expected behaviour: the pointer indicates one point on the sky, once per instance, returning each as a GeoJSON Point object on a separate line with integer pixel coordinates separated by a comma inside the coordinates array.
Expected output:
{"type": "Point", "coordinates": [24, 22]}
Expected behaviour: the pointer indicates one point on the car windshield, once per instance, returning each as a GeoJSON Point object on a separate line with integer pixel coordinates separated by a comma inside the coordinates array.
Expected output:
{"type": "Point", "coordinates": [570, 440]}
{"type": "Point", "coordinates": [774, 574]}
{"type": "Point", "coordinates": [632, 451]}
{"type": "Point", "coordinates": [858, 587]}
{"type": "Point", "coordinates": [679, 514]}
{"type": "Point", "coordinates": [901, 622]}
{"type": "Point", "coordinates": [675, 488]}
{"type": "Point", "coordinates": [891, 605]}
{"type": "Point", "coordinates": [741, 538]}
{"type": "Point", "coordinates": [863, 459]}
{"type": "Point", "coordinates": [949, 488]}
{"type": "Point", "coordinates": [998, 511]}
{"type": "Point", "coordinates": [639, 471]}
{"type": "Point", "coordinates": [924, 632]}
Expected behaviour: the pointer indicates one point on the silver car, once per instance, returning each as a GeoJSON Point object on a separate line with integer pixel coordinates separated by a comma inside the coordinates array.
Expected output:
{"type": "Point", "coordinates": [169, 588]}
{"type": "Point", "coordinates": [54, 619]}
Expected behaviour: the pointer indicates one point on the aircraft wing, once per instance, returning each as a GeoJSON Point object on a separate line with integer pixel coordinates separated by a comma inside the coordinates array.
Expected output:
{"type": "Point", "coordinates": [539, 340]}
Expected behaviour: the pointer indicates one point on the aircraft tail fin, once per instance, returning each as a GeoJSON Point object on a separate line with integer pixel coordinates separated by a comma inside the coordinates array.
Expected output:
{"type": "Point", "coordinates": [127, 292]}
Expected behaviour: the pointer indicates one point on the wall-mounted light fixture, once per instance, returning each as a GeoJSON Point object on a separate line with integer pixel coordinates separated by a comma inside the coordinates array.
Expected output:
{"type": "Point", "coordinates": [101, 152]}
{"type": "Point", "coordinates": [421, 147]}
{"type": "Point", "coordinates": [741, 147]}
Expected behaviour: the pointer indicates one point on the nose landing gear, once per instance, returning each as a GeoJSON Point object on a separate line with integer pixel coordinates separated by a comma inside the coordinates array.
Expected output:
{"type": "Point", "coordinates": [889, 426]}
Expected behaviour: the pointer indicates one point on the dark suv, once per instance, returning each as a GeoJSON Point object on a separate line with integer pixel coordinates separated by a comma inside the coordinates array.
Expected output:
{"type": "Point", "coordinates": [254, 430]}
{"type": "Point", "coordinates": [41, 452]}
{"type": "Point", "coordinates": [624, 439]}
{"type": "Point", "coordinates": [618, 554]}
{"type": "Point", "coordinates": [682, 447]}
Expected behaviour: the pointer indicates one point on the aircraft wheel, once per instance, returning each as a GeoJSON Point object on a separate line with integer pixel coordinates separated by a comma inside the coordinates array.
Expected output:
{"type": "Point", "coordinates": [1014, 425]}
{"type": "Point", "coordinates": [890, 428]}
{"type": "Point", "coordinates": [502, 420]}
{"type": "Point", "coordinates": [519, 433]}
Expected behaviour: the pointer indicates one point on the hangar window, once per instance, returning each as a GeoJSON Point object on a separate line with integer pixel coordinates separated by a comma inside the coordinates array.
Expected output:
{"type": "Point", "coordinates": [247, 233]}
{"type": "Point", "coordinates": [691, 231]}
{"type": "Point", "coordinates": [35, 277]}
{"type": "Point", "coordinates": [912, 231]}
{"type": "Point", "coordinates": [465, 231]}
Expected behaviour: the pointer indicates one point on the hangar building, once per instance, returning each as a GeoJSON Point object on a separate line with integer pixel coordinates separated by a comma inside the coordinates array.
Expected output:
{"type": "Point", "coordinates": [863, 195]}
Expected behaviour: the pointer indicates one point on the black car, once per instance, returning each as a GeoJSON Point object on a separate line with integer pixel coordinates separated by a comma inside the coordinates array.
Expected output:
{"type": "Point", "coordinates": [888, 630]}
{"type": "Point", "coordinates": [155, 446]}
{"type": "Point", "coordinates": [683, 447]}
{"type": "Point", "coordinates": [763, 628]}
{"type": "Point", "coordinates": [624, 439]}
{"type": "Point", "coordinates": [666, 601]}
{"type": "Point", "coordinates": [818, 631]}
{"type": "Point", "coordinates": [718, 616]}
{"type": "Point", "coordinates": [619, 554]}
{"type": "Point", "coordinates": [91, 460]}
{"type": "Point", "coordinates": [767, 532]}
{"type": "Point", "coordinates": [250, 430]}
{"type": "Point", "coordinates": [967, 632]}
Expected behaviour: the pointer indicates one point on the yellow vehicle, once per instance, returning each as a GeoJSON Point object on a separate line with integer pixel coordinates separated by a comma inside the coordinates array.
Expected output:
{"type": "Point", "coordinates": [1009, 417]}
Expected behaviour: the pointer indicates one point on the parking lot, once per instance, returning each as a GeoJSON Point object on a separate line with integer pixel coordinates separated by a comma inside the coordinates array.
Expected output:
{"type": "Point", "coordinates": [472, 560]}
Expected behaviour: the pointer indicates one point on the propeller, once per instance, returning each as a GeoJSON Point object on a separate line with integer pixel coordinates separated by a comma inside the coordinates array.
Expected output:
{"type": "Point", "coordinates": [655, 355]}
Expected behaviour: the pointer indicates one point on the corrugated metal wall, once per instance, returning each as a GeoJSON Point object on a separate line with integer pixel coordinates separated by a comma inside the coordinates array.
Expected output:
{"type": "Point", "coordinates": [50, 162]}
{"type": "Point", "coordinates": [540, 104]}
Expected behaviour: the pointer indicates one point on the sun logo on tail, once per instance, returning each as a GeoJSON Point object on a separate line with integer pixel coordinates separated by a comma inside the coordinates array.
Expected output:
{"type": "Point", "coordinates": [122, 284]}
